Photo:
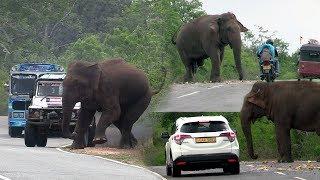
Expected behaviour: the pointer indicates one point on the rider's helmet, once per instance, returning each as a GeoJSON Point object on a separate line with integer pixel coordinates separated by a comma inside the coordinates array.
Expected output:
{"type": "Point", "coordinates": [269, 41]}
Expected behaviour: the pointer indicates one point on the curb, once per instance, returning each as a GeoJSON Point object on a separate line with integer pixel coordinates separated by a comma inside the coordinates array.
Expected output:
{"type": "Point", "coordinates": [115, 161]}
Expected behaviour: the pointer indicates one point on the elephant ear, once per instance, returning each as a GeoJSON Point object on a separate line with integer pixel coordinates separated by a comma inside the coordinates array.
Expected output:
{"type": "Point", "coordinates": [89, 77]}
{"type": "Point", "coordinates": [242, 27]}
{"type": "Point", "coordinates": [256, 99]}
{"type": "Point", "coordinates": [95, 70]}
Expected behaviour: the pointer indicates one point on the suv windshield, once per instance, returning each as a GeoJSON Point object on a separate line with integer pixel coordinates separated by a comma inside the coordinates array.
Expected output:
{"type": "Point", "coordinates": [22, 83]}
{"type": "Point", "coordinates": [198, 127]}
{"type": "Point", "coordinates": [49, 89]}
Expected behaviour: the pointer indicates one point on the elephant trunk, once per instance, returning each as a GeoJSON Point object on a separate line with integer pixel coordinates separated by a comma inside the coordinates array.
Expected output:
{"type": "Point", "coordinates": [67, 107]}
{"type": "Point", "coordinates": [246, 128]}
{"type": "Point", "coordinates": [236, 47]}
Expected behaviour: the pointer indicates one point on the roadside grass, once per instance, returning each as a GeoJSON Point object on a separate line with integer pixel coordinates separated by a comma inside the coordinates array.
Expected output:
{"type": "Point", "coordinates": [305, 146]}
{"type": "Point", "coordinates": [129, 156]}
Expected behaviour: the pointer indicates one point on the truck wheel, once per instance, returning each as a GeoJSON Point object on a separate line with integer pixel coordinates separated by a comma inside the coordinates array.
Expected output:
{"type": "Point", "coordinates": [15, 131]}
{"type": "Point", "coordinates": [176, 171]}
{"type": "Point", "coordinates": [29, 135]}
{"type": "Point", "coordinates": [42, 140]}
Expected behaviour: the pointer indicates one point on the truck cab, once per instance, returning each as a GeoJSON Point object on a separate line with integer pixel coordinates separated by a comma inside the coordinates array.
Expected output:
{"type": "Point", "coordinates": [45, 111]}
{"type": "Point", "coordinates": [21, 85]}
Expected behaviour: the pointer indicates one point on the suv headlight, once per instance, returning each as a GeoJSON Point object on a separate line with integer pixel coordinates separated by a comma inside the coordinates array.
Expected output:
{"type": "Point", "coordinates": [34, 113]}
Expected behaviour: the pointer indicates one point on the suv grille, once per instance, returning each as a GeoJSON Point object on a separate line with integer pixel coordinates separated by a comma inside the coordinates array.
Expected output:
{"type": "Point", "coordinates": [20, 105]}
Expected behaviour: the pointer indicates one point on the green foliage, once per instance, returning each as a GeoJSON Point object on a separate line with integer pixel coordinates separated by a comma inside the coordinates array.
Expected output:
{"type": "Point", "coordinates": [305, 146]}
{"type": "Point", "coordinates": [86, 49]}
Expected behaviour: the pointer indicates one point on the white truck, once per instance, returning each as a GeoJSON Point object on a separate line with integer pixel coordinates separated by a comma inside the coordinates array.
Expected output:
{"type": "Point", "coordinates": [45, 111]}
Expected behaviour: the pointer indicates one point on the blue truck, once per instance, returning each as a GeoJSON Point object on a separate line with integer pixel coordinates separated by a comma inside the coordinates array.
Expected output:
{"type": "Point", "coordinates": [21, 88]}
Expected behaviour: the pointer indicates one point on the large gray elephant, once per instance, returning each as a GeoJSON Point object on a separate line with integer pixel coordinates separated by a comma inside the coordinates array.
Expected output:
{"type": "Point", "coordinates": [119, 90]}
{"type": "Point", "coordinates": [288, 104]}
{"type": "Point", "coordinates": [206, 37]}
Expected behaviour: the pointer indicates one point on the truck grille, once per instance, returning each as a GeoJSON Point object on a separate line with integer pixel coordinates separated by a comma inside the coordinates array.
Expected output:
{"type": "Point", "coordinates": [20, 105]}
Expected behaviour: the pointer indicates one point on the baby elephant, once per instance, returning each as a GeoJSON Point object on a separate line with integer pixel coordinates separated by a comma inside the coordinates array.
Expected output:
{"type": "Point", "coordinates": [119, 90]}
{"type": "Point", "coordinates": [289, 105]}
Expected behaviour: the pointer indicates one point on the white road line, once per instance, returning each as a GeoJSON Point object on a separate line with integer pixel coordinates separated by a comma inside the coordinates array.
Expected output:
{"type": "Point", "coordinates": [250, 165]}
{"type": "Point", "coordinates": [111, 160]}
{"type": "Point", "coordinates": [299, 178]}
{"type": "Point", "coordinates": [215, 87]}
{"type": "Point", "coordinates": [4, 178]}
{"type": "Point", "coordinates": [189, 94]}
{"type": "Point", "coordinates": [281, 173]}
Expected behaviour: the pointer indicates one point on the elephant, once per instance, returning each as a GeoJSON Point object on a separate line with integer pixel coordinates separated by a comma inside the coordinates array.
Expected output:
{"type": "Point", "coordinates": [289, 105]}
{"type": "Point", "coordinates": [206, 37]}
{"type": "Point", "coordinates": [119, 90]}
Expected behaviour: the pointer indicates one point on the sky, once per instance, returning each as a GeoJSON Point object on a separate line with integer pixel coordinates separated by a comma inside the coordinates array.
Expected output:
{"type": "Point", "coordinates": [289, 18]}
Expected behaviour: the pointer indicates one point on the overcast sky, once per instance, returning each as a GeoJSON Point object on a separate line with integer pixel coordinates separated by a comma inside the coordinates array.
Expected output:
{"type": "Point", "coordinates": [290, 18]}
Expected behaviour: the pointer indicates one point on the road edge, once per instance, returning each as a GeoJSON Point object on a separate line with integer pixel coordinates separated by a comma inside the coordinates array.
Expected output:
{"type": "Point", "coordinates": [112, 160]}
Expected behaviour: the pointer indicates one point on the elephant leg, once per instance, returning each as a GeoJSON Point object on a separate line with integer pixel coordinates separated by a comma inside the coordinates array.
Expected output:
{"type": "Point", "coordinates": [107, 118]}
{"type": "Point", "coordinates": [131, 115]}
{"type": "Point", "coordinates": [284, 143]}
{"type": "Point", "coordinates": [215, 63]}
{"type": "Point", "coordinates": [121, 128]}
{"type": "Point", "coordinates": [188, 64]}
{"type": "Point", "coordinates": [85, 119]}
{"type": "Point", "coordinates": [221, 54]}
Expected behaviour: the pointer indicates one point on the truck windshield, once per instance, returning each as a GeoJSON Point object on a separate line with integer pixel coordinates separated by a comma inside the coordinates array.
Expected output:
{"type": "Point", "coordinates": [50, 89]}
{"type": "Point", "coordinates": [22, 83]}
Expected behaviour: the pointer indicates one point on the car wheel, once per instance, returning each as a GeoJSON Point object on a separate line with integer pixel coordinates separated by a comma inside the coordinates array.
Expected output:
{"type": "Point", "coordinates": [42, 140]}
{"type": "Point", "coordinates": [29, 135]}
{"type": "Point", "coordinates": [176, 171]}
{"type": "Point", "coordinates": [233, 169]}
{"type": "Point", "coordinates": [168, 170]}
{"type": "Point", "coordinates": [15, 131]}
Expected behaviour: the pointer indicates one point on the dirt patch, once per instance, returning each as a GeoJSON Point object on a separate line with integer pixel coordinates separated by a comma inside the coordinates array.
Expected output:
{"type": "Point", "coordinates": [129, 156]}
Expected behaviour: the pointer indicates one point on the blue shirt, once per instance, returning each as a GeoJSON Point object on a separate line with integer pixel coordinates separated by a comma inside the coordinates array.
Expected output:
{"type": "Point", "coordinates": [271, 48]}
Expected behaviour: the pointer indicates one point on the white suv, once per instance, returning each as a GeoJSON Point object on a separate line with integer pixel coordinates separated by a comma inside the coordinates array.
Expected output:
{"type": "Point", "coordinates": [203, 142]}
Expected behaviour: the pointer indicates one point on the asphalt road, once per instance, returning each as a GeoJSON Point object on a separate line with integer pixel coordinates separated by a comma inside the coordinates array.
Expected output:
{"type": "Point", "coordinates": [205, 97]}
{"type": "Point", "coordinates": [256, 170]}
{"type": "Point", "coordinates": [20, 162]}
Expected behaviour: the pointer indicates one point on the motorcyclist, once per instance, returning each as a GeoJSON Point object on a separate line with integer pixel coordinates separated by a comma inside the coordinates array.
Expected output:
{"type": "Point", "coordinates": [273, 51]}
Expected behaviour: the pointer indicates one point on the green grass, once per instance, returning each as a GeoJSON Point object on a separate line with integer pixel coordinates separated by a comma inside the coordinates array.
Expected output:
{"type": "Point", "coordinates": [305, 146]}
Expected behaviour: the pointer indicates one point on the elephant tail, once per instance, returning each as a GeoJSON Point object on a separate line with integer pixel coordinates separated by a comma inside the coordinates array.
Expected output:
{"type": "Point", "coordinates": [194, 67]}
{"type": "Point", "coordinates": [165, 71]}
{"type": "Point", "coordinates": [174, 38]}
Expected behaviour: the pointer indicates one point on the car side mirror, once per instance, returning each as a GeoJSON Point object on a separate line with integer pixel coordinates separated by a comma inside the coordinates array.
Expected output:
{"type": "Point", "coordinates": [165, 135]}
{"type": "Point", "coordinates": [31, 94]}
{"type": "Point", "coordinates": [234, 130]}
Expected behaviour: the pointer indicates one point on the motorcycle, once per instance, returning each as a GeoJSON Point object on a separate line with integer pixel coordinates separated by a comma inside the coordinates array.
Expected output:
{"type": "Point", "coordinates": [267, 66]}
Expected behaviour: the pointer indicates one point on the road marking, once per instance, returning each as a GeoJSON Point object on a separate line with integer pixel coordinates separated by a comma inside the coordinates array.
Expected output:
{"type": "Point", "coordinates": [299, 178]}
{"type": "Point", "coordinates": [250, 165]}
{"type": "Point", "coordinates": [215, 87]}
{"type": "Point", "coordinates": [281, 173]}
{"type": "Point", "coordinates": [4, 178]}
{"type": "Point", "coordinates": [189, 94]}
{"type": "Point", "coordinates": [118, 162]}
